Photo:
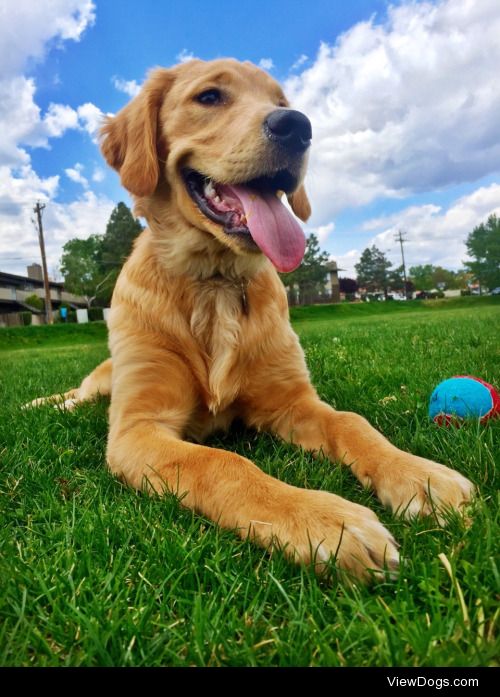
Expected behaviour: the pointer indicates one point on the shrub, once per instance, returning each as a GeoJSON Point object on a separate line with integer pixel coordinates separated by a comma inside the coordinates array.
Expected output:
{"type": "Point", "coordinates": [35, 302]}
{"type": "Point", "coordinates": [26, 318]}
{"type": "Point", "coordinates": [95, 314]}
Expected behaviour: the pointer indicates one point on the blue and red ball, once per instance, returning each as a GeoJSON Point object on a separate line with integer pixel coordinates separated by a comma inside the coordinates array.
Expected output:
{"type": "Point", "coordinates": [463, 397]}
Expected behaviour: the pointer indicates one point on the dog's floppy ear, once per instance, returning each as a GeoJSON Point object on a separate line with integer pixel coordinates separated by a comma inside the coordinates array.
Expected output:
{"type": "Point", "coordinates": [300, 203]}
{"type": "Point", "coordinates": [130, 139]}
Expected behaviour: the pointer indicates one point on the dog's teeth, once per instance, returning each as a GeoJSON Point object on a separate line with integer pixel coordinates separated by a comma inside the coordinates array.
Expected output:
{"type": "Point", "coordinates": [209, 190]}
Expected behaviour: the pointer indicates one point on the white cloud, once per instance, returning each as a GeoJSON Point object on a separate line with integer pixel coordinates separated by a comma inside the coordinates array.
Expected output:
{"type": "Point", "coordinates": [322, 232]}
{"type": "Point", "coordinates": [18, 239]}
{"type": "Point", "coordinates": [266, 63]}
{"type": "Point", "coordinates": [346, 261]}
{"type": "Point", "coordinates": [184, 56]}
{"type": "Point", "coordinates": [19, 116]}
{"type": "Point", "coordinates": [130, 87]}
{"type": "Point", "coordinates": [18, 194]}
{"type": "Point", "coordinates": [85, 216]}
{"type": "Point", "coordinates": [18, 190]}
{"type": "Point", "coordinates": [300, 61]}
{"type": "Point", "coordinates": [27, 28]}
{"type": "Point", "coordinates": [58, 119]}
{"type": "Point", "coordinates": [90, 117]}
{"type": "Point", "coordinates": [98, 175]}
{"type": "Point", "coordinates": [76, 175]}
{"type": "Point", "coordinates": [435, 236]}
{"type": "Point", "coordinates": [22, 123]}
{"type": "Point", "coordinates": [27, 31]}
{"type": "Point", "coordinates": [410, 105]}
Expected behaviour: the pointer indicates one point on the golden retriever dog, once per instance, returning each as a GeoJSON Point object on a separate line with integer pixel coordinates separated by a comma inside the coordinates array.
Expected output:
{"type": "Point", "coordinates": [199, 330]}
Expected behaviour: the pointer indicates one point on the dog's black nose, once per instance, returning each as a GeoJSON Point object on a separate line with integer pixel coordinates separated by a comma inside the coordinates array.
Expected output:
{"type": "Point", "coordinates": [291, 129]}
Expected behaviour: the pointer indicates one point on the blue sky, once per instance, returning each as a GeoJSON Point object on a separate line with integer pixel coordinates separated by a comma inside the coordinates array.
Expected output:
{"type": "Point", "coordinates": [403, 98]}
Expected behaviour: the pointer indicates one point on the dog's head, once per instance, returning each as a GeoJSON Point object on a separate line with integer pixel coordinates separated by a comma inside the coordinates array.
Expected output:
{"type": "Point", "coordinates": [220, 134]}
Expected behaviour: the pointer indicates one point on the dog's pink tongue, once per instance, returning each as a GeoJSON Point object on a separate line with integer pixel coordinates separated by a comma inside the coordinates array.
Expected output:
{"type": "Point", "coordinates": [273, 227]}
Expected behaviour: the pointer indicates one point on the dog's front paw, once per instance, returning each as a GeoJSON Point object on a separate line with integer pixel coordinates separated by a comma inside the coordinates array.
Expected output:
{"type": "Point", "coordinates": [413, 486]}
{"type": "Point", "coordinates": [322, 526]}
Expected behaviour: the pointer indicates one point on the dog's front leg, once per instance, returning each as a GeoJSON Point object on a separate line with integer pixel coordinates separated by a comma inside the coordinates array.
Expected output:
{"type": "Point", "coordinates": [408, 484]}
{"type": "Point", "coordinates": [149, 412]}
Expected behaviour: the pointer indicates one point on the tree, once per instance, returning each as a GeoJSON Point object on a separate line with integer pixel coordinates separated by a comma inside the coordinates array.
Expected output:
{"type": "Point", "coordinates": [81, 269]}
{"type": "Point", "coordinates": [422, 276]}
{"type": "Point", "coordinates": [348, 286]}
{"type": "Point", "coordinates": [372, 270]}
{"type": "Point", "coordinates": [90, 267]}
{"type": "Point", "coordinates": [483, 245]}
{"type": "Point", "coordinates": [462, 278]}
{"type": "Point", "coordinates": [443, 278]}
{"type": "Point", "coordinates": [35, 301]}
{"type": "Point", "coordinates": [428, 277]}
{"type": "Point", "coordinates": [396, 280]}
{"type": "Point", "coordinates": [121, 232]}
{"type": "Point", "coordinates": [311, 275]}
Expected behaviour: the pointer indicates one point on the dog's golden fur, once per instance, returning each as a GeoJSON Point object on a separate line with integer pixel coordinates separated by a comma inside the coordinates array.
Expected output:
{"type": "Point", "coordinates": [187, 358]}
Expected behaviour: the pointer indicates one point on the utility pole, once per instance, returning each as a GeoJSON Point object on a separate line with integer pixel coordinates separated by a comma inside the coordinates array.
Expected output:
{"type": "Point", "coordinates": [48, 304]}
{"type": "Point", "coordinates": [399, 238]}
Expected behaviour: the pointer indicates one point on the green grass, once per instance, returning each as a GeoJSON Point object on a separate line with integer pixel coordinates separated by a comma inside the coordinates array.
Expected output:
{"type": "Point", "coordinates": [55, 335]}
{"type": "Point", "coordinates": [92, 573]}
{"type": "Point", "coordinates": [360, 310]}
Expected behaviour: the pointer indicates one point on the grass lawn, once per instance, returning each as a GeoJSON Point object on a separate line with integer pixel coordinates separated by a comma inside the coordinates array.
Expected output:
{"type": "Point", "coordinates": [95, 574]}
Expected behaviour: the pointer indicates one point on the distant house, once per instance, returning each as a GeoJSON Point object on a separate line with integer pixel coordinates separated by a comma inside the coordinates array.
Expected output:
{"type": "Point", "coordinates": [332, 281]}
{"type": "Point", "coordinates": [326, 292]}
{"type": "Point", "coordinates": [14, 290]}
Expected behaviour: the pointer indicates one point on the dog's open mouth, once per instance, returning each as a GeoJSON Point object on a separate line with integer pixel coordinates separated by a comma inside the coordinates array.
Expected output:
{"type": "Point", "coordinates": [253, 212]}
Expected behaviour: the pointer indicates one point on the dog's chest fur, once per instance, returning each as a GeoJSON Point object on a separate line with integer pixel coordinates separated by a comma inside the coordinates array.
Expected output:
{"type": "Point", "coordinates": [216, 324]}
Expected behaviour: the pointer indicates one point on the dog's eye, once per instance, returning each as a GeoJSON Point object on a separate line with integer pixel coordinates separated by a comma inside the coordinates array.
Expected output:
{"type": "Point", "coordinates": [210, 97]}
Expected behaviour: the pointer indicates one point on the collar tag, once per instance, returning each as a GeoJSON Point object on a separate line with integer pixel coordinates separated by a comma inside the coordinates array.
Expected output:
{"type": "Point", "coordinates": [244, 298]}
